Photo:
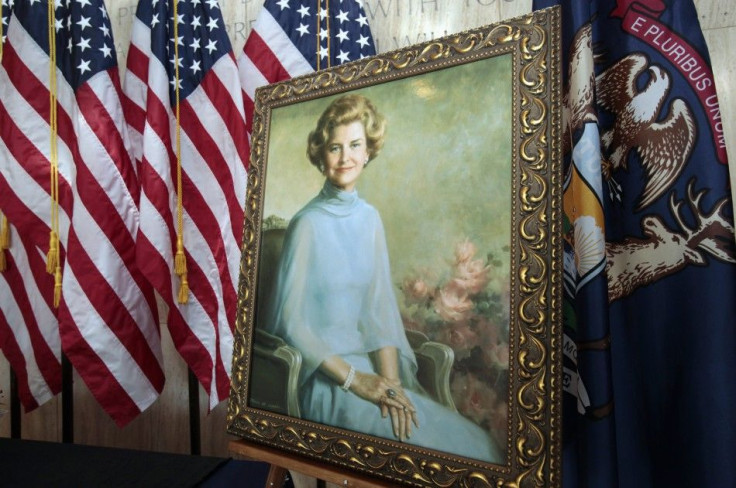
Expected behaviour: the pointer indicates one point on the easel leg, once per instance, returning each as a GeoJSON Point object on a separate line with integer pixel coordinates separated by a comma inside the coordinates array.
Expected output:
{"type": "Point", "coordinates": [276, 477]}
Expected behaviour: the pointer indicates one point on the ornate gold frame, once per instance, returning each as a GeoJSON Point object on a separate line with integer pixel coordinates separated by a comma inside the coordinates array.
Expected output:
{"type": "Point", "coordinates": [534, 423]}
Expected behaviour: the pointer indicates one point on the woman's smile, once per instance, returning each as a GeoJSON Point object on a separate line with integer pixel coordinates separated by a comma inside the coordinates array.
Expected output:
{"type": "Point", "coordinates": [345, 155]}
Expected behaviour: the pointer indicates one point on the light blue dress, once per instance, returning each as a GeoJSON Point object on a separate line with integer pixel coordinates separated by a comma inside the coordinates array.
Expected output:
{"type": "Point", "coordinates": [333, 296]}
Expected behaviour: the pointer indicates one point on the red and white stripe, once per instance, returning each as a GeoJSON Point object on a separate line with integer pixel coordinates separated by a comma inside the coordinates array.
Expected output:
{"type": "Point", "coordinates": [107, 316]}
{"type": "Point", "coordinates": [268, 56]}
{"type": "Point", "coordinates": [214, 151]}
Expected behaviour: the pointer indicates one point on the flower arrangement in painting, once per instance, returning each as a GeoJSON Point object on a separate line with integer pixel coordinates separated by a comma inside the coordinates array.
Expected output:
{"type": "Point", "coordinates": [466, 307]}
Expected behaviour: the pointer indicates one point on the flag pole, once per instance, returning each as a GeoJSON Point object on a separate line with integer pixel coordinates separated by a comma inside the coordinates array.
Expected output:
{"type": "Point", "coordinates": [14, 406]}
{"type": "Point", "coordinates": [195, 443]}
{"type": "Point", "coordinates": [67, 401]}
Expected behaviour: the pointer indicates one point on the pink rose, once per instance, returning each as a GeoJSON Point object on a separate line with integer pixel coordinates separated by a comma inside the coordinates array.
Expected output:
{"type": "Point", "coordinates": [473, 398]}
{"type": "Point", "coordinates": [452, 303]}
{"type": "Point", "coordinates": [472, 275]}
{"type": "Point", "coordinates": [460, 337]}
{"type": "Point", "coordinates": [415, 290]}
{"type": "Point", "coordinates": [465, 251]}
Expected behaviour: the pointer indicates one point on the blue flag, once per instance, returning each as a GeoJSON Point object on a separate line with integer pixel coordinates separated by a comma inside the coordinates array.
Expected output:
{"type": "Point", "coordinates": [650, 257]}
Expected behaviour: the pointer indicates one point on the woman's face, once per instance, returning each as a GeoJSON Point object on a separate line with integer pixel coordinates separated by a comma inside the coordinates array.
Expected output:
{"type": "Point", "coordinates": [345, 154]}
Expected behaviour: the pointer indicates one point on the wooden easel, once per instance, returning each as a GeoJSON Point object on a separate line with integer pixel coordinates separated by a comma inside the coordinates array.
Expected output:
{"type": "Point", "coordinates": [281, 462]}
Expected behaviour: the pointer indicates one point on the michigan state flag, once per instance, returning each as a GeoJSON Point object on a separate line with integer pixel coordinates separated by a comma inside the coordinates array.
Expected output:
{"type": "Point", "coordinates": [650, 257]}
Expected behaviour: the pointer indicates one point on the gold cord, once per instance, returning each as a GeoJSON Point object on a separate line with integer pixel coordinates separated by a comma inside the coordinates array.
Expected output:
{"type": "Point", "coordinates": [53, 262]}
{"type": "Point", "coordinates": [319, 32]}
{"type": "Point", "coordinates": [329, 44]}
{"type": "Point", "coordinates": [319, 29]}
{"type": "Point", "coordinates": [4, 238]}
{"type": "Point", "coordinates": [180, 259]}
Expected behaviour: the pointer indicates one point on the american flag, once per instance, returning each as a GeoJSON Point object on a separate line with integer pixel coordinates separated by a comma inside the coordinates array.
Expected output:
{"type": "Point", "coordinates": [107, 315]}
{"type": "Point", "coordinates": [29, 334]}
{"type": "Point", "coordinates": [29, 331]}
{"type": "Point", "coordinates": [295, 37]}
{"type": "Point", "coordinates": [213, 151]}
{"type": "Point", "coordinates": [5, 8]}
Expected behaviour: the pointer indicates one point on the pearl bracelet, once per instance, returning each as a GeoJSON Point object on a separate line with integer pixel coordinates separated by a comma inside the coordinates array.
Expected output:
{"type": "Point", "coordinates": [349, 380]}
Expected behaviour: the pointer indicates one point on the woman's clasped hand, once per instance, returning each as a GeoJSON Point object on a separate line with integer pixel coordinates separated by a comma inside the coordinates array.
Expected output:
{"type": "Point", "coordinates": [391, 399]}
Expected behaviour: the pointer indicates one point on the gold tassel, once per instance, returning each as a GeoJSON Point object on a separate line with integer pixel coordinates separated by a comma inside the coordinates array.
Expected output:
{"type": "Point", "coordinates": [183, 289]}
{"type": "Point", "coordinates": [52, 259]}
{"type": "Point", "coordinates": [4, 239]}
{"type": "Point", "coordinates": [57, 286]}
{"type": "Point", "coordinates": [180, 259]}
{"type": "Point", "coordinates": [5, 234]}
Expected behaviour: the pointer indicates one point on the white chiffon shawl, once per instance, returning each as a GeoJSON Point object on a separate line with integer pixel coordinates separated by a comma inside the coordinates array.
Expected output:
{"type": "Point", "coordinates": [333, 293]}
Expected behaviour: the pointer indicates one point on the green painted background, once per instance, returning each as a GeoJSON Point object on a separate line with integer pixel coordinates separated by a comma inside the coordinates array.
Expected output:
{"type": "Point", "coordinates": [444, 173]}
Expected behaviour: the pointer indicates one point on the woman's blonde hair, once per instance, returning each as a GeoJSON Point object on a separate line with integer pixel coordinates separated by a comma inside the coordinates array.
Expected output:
{"type": "Point", "coordinates": [346, 110]}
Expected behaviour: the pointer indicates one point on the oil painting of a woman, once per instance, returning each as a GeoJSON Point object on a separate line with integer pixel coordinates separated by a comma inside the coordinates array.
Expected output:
{"type": "Point", "coordinates": [334, 301]}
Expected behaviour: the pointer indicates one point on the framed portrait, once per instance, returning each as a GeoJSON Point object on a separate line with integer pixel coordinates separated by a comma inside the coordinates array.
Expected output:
{"type": "Point", "coordinates": [399, 309]}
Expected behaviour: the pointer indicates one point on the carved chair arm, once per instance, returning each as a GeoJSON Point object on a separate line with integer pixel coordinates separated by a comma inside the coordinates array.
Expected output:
{"type": "Point", "coordinates": [275, 369]}
{"type": "Point", "coordinates": [434, 361]}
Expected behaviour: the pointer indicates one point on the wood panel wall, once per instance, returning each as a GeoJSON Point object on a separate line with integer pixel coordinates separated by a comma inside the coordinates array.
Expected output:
{"type": "Point", "coordinates": [395, 24]}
